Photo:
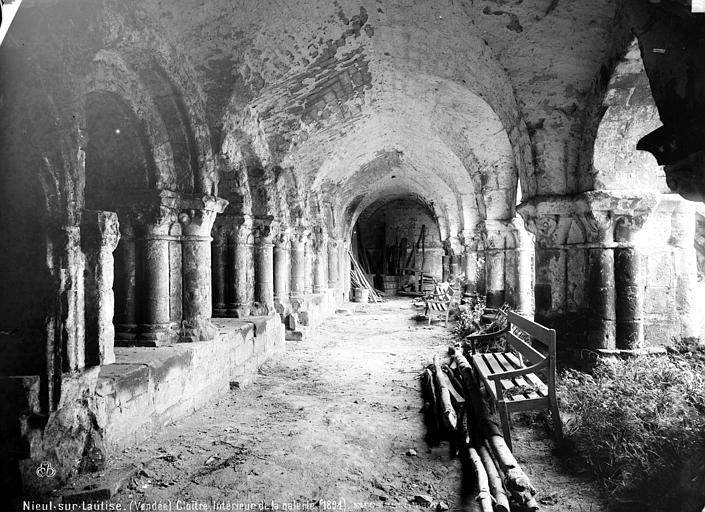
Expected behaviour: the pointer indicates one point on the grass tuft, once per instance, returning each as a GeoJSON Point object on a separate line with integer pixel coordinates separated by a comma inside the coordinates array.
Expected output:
{"type": "Point", "coordinates": [639, 425]}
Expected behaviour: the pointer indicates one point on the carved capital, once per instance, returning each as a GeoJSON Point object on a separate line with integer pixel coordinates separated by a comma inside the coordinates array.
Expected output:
{"type": "Point", "coordinates": [196, 222]}
{"type": "Point", "coordinates": [100, 229]}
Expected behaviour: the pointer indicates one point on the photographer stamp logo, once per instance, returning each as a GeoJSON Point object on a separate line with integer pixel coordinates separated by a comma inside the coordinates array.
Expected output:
{"type": "Point", "coordinates": [46, 470]}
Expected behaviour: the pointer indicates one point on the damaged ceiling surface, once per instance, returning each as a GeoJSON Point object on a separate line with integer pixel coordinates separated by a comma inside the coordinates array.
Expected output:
{"type": "Point", "coordinates": [355, 100]}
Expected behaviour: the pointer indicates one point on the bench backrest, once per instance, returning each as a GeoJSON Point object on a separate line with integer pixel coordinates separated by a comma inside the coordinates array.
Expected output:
{"type": "Point", "coordinates": [537, 332]}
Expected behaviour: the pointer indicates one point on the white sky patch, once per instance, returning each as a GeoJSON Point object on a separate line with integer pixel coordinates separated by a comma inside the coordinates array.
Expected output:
{"type": "Point", "coordinates": [698, 6]}
{"type": "Point", "coordinates": [8, 14]}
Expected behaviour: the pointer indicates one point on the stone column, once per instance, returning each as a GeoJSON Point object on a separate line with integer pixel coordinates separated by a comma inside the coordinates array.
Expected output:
{"type": "Point", "coordinates": [282, 274]}
{"type": "Point", "coordinates": [600, 307]}
{"type": "Point", "coordinates": [471, 243]}
{"type": "Point", "coordinates": [344, 259]}
{"type": "Point", "coordinates": [549, 219]}
{"type": "Point", "coordinates": [320, 264]}
{"type": "Point", "coordinates": [495, 247]}
{"type": "Point", "coordinates": [616, 219]}
{"type": "Point", "coordinates": [126, 284]}
{"type": "Point", "coordinates": [238, 305]}
{"type": "Point", "coordinates": [219, 255]}
{"type": "Point", "coordinates": [196, 224]}
{"type": "Point", "coordinates": [629, 284]}
{"type": "Point", "coordinates": [73, 272]}
{"type": "Point", "coordinates": [250, 271]}
{"type": "Point", "coordinates": [156, 327]}
{"type": "Point", "coordinates": [523, 293]}
{"type": "Point", "coordinates": [682, 238]}
{"type": "Point", "coordinates": [100, 234]}
{"type": "Point", "coordinates": [333, 263]}
{"type": "Point", "coordinates": [308, 267]}
{"type": "Point", "coordinates": [264, 269]}
{"type": "Point", "coordinates": [298, 265]}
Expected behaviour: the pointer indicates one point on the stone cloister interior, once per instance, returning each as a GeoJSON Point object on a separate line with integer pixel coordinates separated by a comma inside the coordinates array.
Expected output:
{"type": "Point", "coordinates": [181, 183]}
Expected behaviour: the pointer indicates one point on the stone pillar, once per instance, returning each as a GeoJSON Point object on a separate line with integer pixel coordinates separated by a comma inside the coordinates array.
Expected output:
{"type": "Point", "coordinates": [320, 264]}
{"type": "Point", "coordinates": [298, 265]}
{"type": "Point", "coordinates": [344, 259]}
{"type": "Point", "coordinates": [471, 242]}
{"type": "Point", "coordinates": [615, 219]}
{"type": "Point", "coordinates": [495, 248]}
{"type": "Point", "coordinates": [73, 270]}
{"type": "Point", "coordinates": [264, 269]}
{"type": "Point", "coordinates": [682, 238]}
{"type": "Point", "coordinates": [197, 223]}
{"type": "Point", "coordinates": [250, 271]}
{"type": "Point", "coordinates": [333, 263]}
{"type": "Point", "coordinates": [156, 327]}
{"type": "Point", "coordinates": [238, 305]}
{"type": "Point", "coordinates": [100, 234]}
{"type": "Point", "coordinates": [308, 267]}
{"type": "Point", "coordinates": [549, 219]}
{"type": "Point", "coordinates": [219, 256]}
{"type": "Point", "coordinates": [600, 307]}
{"type": "Point", "coordinates": [523, 293]}
{"type": "Point", "coordinates": [282, 274]}
{"type": "Point", "coordinates": [629, 284]}
{"type": "Point", "coordinates": [126, 285]}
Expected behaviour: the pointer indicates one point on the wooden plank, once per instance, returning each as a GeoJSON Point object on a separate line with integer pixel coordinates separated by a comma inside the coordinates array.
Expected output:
{"type": "Point", "coordinates": [527, 404]}
{"type": "Point", "coordinates": [496, 368]}
{"type": "Point", "coordinates": [481, 366]}
{"type": "Point", "coordinates": [530, 327]}
{"type": "Point", "coordinates": [531, 377]}
{"type": "Point", "coordinates": [519, 381]}
{"type": "Point", "coordinates": [530, 353]}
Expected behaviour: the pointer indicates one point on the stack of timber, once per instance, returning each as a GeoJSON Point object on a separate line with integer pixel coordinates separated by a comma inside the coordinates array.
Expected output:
{"type": "Point", "coordinates": [358, 279]}
{"type": "Point", "coordinates": [455, 411]}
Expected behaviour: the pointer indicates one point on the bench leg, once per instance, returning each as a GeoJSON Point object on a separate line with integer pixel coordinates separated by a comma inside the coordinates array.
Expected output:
{"type": "Point", "coordinates": [557, 423]}
{"type": "Point", "coordinates": [504, 417]}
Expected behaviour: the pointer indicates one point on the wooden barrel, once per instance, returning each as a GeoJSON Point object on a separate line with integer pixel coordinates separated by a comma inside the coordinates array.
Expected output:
{"type": "Point", "coordinates": [390, 284]}
{"type": "Point", "coordinates": [361, 295]}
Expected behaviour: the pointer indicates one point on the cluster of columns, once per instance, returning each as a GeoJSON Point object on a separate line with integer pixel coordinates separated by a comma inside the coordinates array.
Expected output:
{"type": "Point", "coordinates": [589, 269]}
{"type": "Point", "coordinates": [163, 270]}
{"type": "Point", "coordinates": [259, 265]}
{"type": "Point", "coordinates": [498, 263]}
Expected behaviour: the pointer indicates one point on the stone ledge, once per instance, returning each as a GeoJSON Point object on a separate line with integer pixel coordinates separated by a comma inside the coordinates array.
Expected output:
{"type": "Point", "coordinates": [148, 388]}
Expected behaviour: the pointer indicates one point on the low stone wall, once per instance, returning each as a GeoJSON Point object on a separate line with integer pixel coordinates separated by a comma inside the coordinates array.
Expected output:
{"type": "Point", "coordinates": [148, 388]}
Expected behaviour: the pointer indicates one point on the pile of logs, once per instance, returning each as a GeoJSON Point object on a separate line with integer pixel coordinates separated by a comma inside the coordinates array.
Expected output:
{"type": "Point", "coordinates": [455, 411]}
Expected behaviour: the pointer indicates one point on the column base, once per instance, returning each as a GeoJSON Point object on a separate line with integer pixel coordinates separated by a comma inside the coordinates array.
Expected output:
{"type": "Point", "coordinates": [150, 335]}
{"type": "Point", "coordinates": [319, 289]}
{"type": "Point", "coordinates": [199, 330]}
{"type": "Point", "coordinates": [259, 309]}
{"type": "Point", "coordinates": [125, 333]}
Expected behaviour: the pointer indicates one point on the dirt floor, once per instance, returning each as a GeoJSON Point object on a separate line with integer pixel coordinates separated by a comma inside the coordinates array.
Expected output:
{"type": "Point", "coordinates": [333, 424]}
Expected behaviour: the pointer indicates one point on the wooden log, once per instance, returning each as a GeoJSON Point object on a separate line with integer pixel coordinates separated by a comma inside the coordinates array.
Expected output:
{"type": "Point", "coordinates": [430, 408]}
{"type": "Point", "coordinates": [450, 418]}
{"type": "Point", "coordinates": [484, 497]}
{"type": "Point", "coordinates": [456, 387]}
{"type": "Point", "coordinates": [494, 480]}
{"type": "Point", "coordinates": [516, 481]}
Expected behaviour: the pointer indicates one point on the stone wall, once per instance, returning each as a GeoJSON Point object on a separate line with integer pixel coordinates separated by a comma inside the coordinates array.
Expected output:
{"type": "Point", "coordinates": [398, 219]}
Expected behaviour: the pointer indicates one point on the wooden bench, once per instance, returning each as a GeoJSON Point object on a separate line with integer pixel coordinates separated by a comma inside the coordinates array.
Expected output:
{"type": "Point", "coordinates": [512, 381]}
{"type": "Point", "coordinates": [440, 300]}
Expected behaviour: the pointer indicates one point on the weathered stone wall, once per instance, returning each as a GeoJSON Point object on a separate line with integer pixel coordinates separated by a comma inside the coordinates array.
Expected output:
{"type": "Point", "coordinates": [398, 219]}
